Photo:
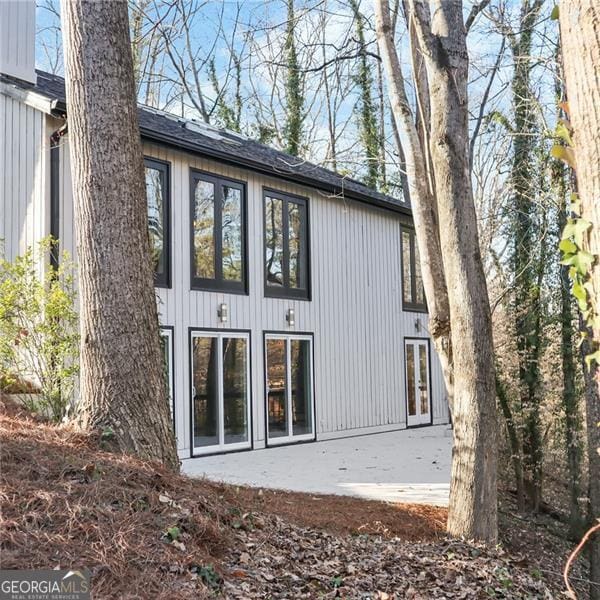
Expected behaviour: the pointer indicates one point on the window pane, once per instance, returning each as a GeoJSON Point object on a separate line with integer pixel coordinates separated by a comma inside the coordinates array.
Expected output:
{"type": "Point", "coordinates": [235, 390]}
{"type": "Point", "coordinates": [301, 387]}
{"type": "Point", "coordinates": [276, 388]}
{"type": "Point", "coordinates": [206, 391]}
{"type": "Point", "coordinates": [154, 195]}
{"type": "Point", "coordinates": [232, 233]}
{"type": "Point", "coordinates": [410, 380]}
{"type": "Point", "coordinates": [420, 291]}
{"type": "Point", "coordinates": [204, 228]}
{"type": "Point", "coordinates": [423, 382]}
{"type": "Point", "coordinates": [406, 272]}
{"type": "Point", "coordinates": [296, 214]}
{"type": "Point", "coordinates": [274, 241]}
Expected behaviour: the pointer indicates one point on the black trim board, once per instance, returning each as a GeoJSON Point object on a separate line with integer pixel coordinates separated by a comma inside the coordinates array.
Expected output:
{"type": "Point", "coordinates": [55, 201]}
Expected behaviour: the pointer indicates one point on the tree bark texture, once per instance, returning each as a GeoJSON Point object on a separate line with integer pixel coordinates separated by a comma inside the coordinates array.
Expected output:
{"type": "Point", "coordinates": [580, 35]}
{"type": "Point", "coordinates": [447, 235]}
{"type": "Point", "coordinates": [123, 389]}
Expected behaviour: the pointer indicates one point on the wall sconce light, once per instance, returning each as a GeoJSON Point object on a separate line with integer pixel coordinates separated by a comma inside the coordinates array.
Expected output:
{"type": "Point", "coordinates": [222, 313]}
{"type": "Point", "coordinates": [290, 317]}
{"type": "Point", "coordinates": [418, 324]}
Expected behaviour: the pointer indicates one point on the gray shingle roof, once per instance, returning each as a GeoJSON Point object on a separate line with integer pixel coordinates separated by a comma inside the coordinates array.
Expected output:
{"type": "Point", "coordinates": [229, 147]}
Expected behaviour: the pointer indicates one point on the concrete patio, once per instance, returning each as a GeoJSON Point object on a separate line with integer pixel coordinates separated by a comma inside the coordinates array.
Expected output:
{"type": "Point", "coordinates": [411, 465]}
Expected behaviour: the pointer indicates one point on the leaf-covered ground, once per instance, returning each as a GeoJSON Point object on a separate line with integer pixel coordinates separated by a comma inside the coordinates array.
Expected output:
{"type": "Point", "coordinates": [145, 533]}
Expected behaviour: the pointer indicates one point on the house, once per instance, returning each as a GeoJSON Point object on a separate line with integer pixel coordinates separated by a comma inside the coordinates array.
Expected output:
{"type": "Point", "coordinates": [290, 297]}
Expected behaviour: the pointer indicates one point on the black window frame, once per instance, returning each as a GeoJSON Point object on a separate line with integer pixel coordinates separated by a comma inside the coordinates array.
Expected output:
{"type": "Point", "coordinates": [218, 284]}
{"type": "Point", "coordinates": [163, 280]}
{"type": "Point", "coordinates": [286, 291]}
{"type": "Point", "coordinates": [410, 305]}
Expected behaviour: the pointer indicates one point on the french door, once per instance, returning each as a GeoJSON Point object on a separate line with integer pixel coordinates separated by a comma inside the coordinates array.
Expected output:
{"type": "Point", "coordinates": [289, 388]}
{"type": "Point", "coordinates": [220, 391]}
{"type": "Point", "coordinates": [418, 396]}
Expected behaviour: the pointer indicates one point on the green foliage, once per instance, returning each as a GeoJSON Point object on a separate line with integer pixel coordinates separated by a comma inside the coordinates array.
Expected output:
{"type": "Point", "coordinates": [369, 132]}
{"type": "Point", "coordinates": [573, 239]}
{"type": "Point", "coordinates": [228, 112]}
{"type": "Point", "coordinates": [173, 533]}
{"type": "Point", "coordinates": [208, 575]}
{"type": "Point", "coordinates": [39, 338]}
{"type": "Point", "coordinates": [294, 95]}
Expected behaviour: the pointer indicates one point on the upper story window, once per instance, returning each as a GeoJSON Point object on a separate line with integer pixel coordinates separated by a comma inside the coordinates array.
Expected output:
{"type": "Point", "coordinates": [413, 294]}
{"type": "Point", "coordinates": [286, 246]}
{"type": "Point", "coordinates": [158, 197]}
{"type": "Point", "coordinates": [218, 233]}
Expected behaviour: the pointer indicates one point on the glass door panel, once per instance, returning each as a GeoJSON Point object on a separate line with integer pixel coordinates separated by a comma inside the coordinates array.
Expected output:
{"type": "Point", "coordinates": [205, 391]}
{"type": "Point", "coordinates": [300, 356]}
{"type": "Point", "coordinates": [410, 380]}
{"type": "Point", "coordinates": [423, 380]}
{"type": "Point", "coordinates": [220, 391]}
{"type": "Point", "coordinates": [235, 390]}
{"type": "Point", "coordinates": [418, 400]}
{"type": "Point", "coordinates": [277, 388]}
{"type": "Point", "coordinates": [289, 394]}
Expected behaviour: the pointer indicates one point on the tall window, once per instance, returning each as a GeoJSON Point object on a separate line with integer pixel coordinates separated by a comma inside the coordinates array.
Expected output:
{"type": "Point", "coordinates": [218, 236]}
{"type": "Point", "coordinates": [413, 294]}
{"type": "Point", "coordinates": [157, 194]}
{"type": "Point", "coordinates": [286, 246]}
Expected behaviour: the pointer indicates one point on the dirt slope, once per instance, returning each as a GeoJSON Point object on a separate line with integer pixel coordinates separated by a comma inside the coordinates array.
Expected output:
{"type": "Point", "coordinates": [145, 533]}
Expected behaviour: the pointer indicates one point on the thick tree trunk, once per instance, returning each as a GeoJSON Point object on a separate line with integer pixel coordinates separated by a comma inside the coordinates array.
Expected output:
{"type": "Point", "coordinates": [123, 389]}
{"type": "Point", "coordinates": [580, 35]}
{"type": "Point", "coordinates": [448, 218]}
{"type": "Point", "coordinates": [473, 492]}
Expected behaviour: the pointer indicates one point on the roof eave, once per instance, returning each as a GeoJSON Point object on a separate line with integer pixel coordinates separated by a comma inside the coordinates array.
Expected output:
{"type": "Point", "coordinates": [300, 178]}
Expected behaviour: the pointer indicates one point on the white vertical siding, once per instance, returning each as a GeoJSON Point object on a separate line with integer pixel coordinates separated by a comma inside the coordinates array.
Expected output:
{"type": "Point", "coordinates": [17, 39]}
{"type": "Point", "coordinates": [24, 185]}
{"type": "Point", "coordinates": [355, 313]}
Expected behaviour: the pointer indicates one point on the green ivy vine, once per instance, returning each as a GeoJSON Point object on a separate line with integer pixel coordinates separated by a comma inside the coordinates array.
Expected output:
{"type": "Point", "coordinates": [574, 255]}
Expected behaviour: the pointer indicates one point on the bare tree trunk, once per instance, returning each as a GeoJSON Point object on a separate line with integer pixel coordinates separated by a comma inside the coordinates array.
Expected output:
{"type": "Point", "coordinates": [123, 388]}
{"type": "Point", "coordinates": [516, 453]}
{"type": "Point", "coordinates": [423, 203]}
{"type": "Point", "coordinates": [580, 35]}
{"type": "Point", "coordinates": [473, 493]}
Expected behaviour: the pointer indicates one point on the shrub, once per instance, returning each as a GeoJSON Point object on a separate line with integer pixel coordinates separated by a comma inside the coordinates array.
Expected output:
{"type": "Point", "coordinates": [39, 338]}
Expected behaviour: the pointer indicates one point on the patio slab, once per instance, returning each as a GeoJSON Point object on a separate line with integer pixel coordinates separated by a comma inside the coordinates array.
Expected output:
{"type": "Point", "coordinates": [411, 465]}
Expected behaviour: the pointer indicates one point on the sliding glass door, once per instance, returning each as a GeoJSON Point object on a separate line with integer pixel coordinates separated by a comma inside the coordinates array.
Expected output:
{"type": "Point", "coordinates": [220, 391]}
{"type": "Point", "coordinates": [289, 388]}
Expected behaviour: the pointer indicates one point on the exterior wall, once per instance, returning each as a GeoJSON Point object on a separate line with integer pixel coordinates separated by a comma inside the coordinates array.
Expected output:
{"type": "Point", "coordinates": [24, 184]}
{"type": "Point", "coordinates": [355, 314]}
{"type": "Point", "coordinates": [17, 39]}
